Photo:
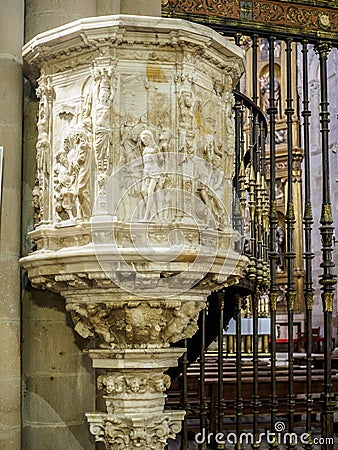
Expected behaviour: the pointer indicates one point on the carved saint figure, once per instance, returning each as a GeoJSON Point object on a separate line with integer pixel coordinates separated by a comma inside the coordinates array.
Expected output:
{"type": "Point", "coordinates": [280, 242]}
{"type": "Point", "coordinates": [186, 103]}
{"type": "Point", "coordinates": [44, 92]}
{"type": "Point", "coordinates": [186, 116]}
{"type": "Point", "coordinates": [265, 91]}
{"type": "Point", "coordinates": [229, 100]}
{"type": "Point", "coordinates": [81, 167]}
{"type": "Point", "coordinates": [43, 146]}
{"type": "Point", "coordinates": [152, 160]}
{"type": "Point", "coordinates": [103, 132]}
{"type": "Point", "coordinates": [36, 202]}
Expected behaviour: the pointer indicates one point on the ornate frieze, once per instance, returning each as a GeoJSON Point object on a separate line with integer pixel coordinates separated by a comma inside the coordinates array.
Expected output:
{"type": "Point", "coordinates": [120, 384]}
{"type": "Point", "coordinates": [304, 18]}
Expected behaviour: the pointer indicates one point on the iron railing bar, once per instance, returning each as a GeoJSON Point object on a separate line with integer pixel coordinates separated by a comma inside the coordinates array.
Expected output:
{"type": "Point", "coordinates": [203, 445]}
{"type": "Point", "coordinates": [273, 221]}
{"type": "Point", "coordinates": [326, 230]}
{"type": "Point", "coordinates": [258, 286]}
{"type": "Point", "coordinates": [290, 253]}
{"type": "Point", "coordinates": [239, 399]}
{"type": "Point", "coordinates": [254, 68]}
{"type": "Point", "coordinates": [220, 396]}
{"type": "Point", "coordinates": [248, 103]}
{"type": "Point", "coordinates": [308, 255]}
{"type": "Point", "coordinates": [185, 404]}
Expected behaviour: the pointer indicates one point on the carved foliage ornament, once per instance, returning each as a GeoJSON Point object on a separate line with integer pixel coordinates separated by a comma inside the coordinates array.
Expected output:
{"type": "Point", "coordinates": [126, 324]}
{"type": "Point", "coordinates": [123, 434]}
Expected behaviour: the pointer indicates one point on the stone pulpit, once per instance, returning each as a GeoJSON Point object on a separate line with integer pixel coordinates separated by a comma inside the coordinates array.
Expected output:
{"type": "Point", "coordinates": [133, 200]}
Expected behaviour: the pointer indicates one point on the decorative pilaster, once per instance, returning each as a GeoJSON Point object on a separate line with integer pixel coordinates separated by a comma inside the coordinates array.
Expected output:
{"type": "Point", "coordinates": [133, 389]}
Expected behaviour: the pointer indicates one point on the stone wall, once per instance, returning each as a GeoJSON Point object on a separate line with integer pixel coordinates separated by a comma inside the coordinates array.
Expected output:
{"type": "Point", "coordinates": [11, 39]}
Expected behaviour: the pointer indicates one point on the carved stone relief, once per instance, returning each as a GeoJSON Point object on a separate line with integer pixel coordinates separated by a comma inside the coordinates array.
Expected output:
{"type": "Point", "coordinates": [137, 125]}
{"type": "Point", "coordinates": [43, 148]}
{"type": "Point", "coordinates": [120, 384]}
{"type": "Point", "coordinates": [104, 94]}
{"type": "Point", "coordinates": [72, 176]}
{"type": "Point", "coordinates": [129, 324]}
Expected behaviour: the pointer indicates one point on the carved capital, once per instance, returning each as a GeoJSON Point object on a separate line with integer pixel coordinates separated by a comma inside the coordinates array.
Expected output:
{"type": "Point", "coordinates": [322, 49]}
{"type": "Point", "coordinates": [136, 324]}
{"type": "Point", "coordinates": [135, 434]}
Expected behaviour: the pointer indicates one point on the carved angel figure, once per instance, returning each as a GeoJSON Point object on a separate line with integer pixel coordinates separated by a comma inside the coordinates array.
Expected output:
{"type": "Point", "coordinates": [112, 384]}
{"type": "Point", "coordinates": [183, 322]}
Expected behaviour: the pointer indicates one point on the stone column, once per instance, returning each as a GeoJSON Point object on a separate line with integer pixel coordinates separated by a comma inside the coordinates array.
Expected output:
{"type": "Point", "coordinates": [135, 158]}
{"type": "Point", "coordinates": [58, 383]}
{"type": "Point", "coordinates": [141, 7]}
{"type": "Point", "coordinates": [11, 40]}
{"type": "Point", "coordinates": [42, 15]}
{"type": "Point", "coordinates": [108, 7]}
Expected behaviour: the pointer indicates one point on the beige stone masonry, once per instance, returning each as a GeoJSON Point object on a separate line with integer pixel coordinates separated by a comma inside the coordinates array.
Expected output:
{"type": "Point", "coordinates": [11, 40]}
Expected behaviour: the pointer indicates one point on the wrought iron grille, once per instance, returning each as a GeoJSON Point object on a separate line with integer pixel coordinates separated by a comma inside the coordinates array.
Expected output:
{"type": "Point", "coordinates": [244, 378]}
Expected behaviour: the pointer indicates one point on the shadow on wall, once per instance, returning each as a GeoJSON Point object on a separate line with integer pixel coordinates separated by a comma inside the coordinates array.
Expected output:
{"type": "Point", "coordinates": [53, 435]}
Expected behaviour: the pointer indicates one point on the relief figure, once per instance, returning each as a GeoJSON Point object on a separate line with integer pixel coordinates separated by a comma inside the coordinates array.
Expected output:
{"type": "Point", "coordinates": [82, 174]}
{"type": "Point", "coordinates": [103, 131]}
{"type": "Point", "coordinates": [64, 184]}
{"type": "Point", "coordinates": [152, 160]}
{"type": "Point", "coordinates": [186, 116]}
{"type": "Point", "coordinates": [72, 177]}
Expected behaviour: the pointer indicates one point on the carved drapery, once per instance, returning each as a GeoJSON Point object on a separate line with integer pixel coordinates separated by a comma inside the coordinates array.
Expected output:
{"type": "Point", "coordinates": [133, 200]}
